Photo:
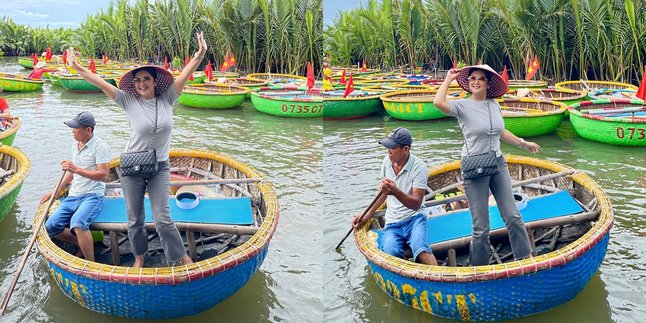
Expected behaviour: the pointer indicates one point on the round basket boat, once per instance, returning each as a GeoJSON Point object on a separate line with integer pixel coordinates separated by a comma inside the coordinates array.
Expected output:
{"type": "Point", "coordinates": [75, 83]}
{"type": "Point", "coordinates": [277, 77]}
{"type": "Point", "coordinates": [571, 241]}
{"type": "Point", "coordinates": [183, 290]}
{"type": "Point", "coordinates": [531, 117]}
{"type": "Point", "coordinates": [357, 104]}
{"type": "Point", "coordinates": [198, 77]}
{"type": "Point", "coordinates": [391, 82]}
{"type": "Point", "coordinates": [369, 72]}
{"type": "Point", "coordinates": [213, 96]}
{"type": "Point", "coordinates": [567, 97]}
{"type": "Point", "coordinates": [8, 135]}
{"type": "Point", "coordinates": [15, 168]}
{"type": "Point", "coordinates": [617, 122]}
{"type": "Point", "coordinates": [288, 103]}
{"type": "Point", "coordinates": [247, 82]}
{"type": "Point", "coordinates": [26, 62]}
{"type": "Point", "coordinates": [529, 84]}
{"type": "Point", "coordinates": [19, 83]}
{"type": "Point", "coordinates": [415, 104]}
{"type": "Point", "coordinates": [592, 86]}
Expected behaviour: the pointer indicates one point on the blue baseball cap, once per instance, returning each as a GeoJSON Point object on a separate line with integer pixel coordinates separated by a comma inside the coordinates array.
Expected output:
{"type": "Point", "coordinates": [83, 119]}
{"type": "Point", "coordinates": [398, 137]}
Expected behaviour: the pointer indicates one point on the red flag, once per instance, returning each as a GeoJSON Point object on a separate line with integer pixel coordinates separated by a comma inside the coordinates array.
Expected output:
{"type": "Point", "coordinates": [532, 68]}
{"type": "Point", "coordinates": [166, 63]}
{"type": "Point", "coordinates": [65, 56]}
{"type": "Point", "coordinates": [232, 60]}
{"type": "Point", "coordinates": [48, 53]}
{"type": "Point", "coordinates": [504, 75]}
{"type": "Point", "coordinates": [455, 64]}
{"type": "Point", "coordinates": [641, 92]}
{"type": "Point", "coordinates": [92, 66]}
{"type": "Point", "coordinates": [349, 87]}
{"type": "Point", "coordinates": [208, 70]}
{"type": "Point", "coordinates": [363, 66]}
{"type": "Point", "coordinates": [342, 80]}
{"type": "Point", "coordinates": [310, 76]}
{"type": "Point", "coordinates": [105, 59]}
{"type": "Point", "coordinates": [225, 65]}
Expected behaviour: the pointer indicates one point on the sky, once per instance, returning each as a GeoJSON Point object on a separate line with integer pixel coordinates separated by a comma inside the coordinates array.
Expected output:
{"type": "Point", "coordinates": [70, 13]}
{"type": "Point", "coordinates": [52, 13]}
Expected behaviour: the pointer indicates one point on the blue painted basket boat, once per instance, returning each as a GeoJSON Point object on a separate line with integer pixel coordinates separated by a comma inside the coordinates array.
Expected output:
{"type": "Point", "coordinates": [509, 289]}
{"type": "Point", "coordinates": [168, 292]}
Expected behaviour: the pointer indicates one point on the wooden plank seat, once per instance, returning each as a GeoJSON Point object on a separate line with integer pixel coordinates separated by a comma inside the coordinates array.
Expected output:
{"type": "Point", "coordinates": [453, 229]}
{"type": "Point", "coordinates": [214, 215]}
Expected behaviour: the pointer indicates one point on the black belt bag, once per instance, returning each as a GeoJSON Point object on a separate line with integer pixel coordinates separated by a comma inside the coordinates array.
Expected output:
{"type": "Point", "coordinates": [482, 164]}
{"type": "Point", "coordinates": [479, 165]}
{"type": "Point", "coordinates": [143, 162]}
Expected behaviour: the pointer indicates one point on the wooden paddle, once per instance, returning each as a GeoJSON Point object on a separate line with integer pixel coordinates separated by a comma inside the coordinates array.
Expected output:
{"type": "Point", "coordinates": [3, 307]}
{"type": "Point", "coordinates": [361, 218]}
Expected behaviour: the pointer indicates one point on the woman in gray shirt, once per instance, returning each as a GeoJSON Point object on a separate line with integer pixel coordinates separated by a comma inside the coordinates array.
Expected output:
{"type": "Point", "coordinates": [482, 125]}
{"type": "Point", "coordinates": [147, 94]}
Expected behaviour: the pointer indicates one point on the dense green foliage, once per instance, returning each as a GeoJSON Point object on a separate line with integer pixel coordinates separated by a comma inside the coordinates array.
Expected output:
{"type": "Point", "coordinates": [283, 34]}
{"type": "Point", "coordinates": [597, 39]}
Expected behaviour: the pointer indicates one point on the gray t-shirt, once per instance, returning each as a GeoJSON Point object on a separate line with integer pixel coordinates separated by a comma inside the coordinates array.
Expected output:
{"type": "Point", "coordinates": [96, 151]}
{"type": "Point", "coordinates": [473, 118]}
{"type": "Point", "coordinates": [413, 175]}
{"type": "Point", "coordinates": [141, 117]}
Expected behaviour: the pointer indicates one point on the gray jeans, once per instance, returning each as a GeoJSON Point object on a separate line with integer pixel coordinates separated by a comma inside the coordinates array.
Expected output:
{"type": "Point", "coordinates": [477, 191]}
{"type": "Point", "coordinates": [158, 185]}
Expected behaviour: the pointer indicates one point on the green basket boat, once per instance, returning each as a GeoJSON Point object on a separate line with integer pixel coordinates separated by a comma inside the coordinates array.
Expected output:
{"type": "Point", "coordinates": [531, 117]}
{"type": "Point", "coordinates": [26, 62]}
{"type": "Point", "coordinates": [8, 135]}
{"type": "Point", "coordinates": [198, 77]}
{"type": "Point", "coordinates": [388, 82]}
{"type": "Point", "coordinates": [592, 86]}
{"type": "Point", "coordinates": [288, 103]}
{"type": "Point", "coordinates": [526, 84]}
{"type": "Point", "coordinates": [19, 83]}
{"type": "Point", "coordinates": [277, 77]}
{"type": "Point", "coordinates": [567, 97]}
{"type": "Point", "coordinates": [617, 122]}
{"type": "Point", "coordinates": [416, 104]}
{"type": "Point", "coordinates": [355, 71]}
{"type": "Point", "coordinates": [75, 83]}
{"type": "Point", "coordinates": [54, 78]}
{"type": "Point", "coordinates": [213, 96]}
{"type": "Point", "coordinates": [15, 167]}
{"type": "Point", "coordinates": [250, 83]}
{"type": "Point", "coordinates": [357, 104]}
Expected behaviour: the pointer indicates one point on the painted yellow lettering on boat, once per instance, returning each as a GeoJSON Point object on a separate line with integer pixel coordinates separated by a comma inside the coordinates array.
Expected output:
{"type": "Point", "coordinates": [423, 299]}
{"type": "Point", "coordinates": [77, 293]}
{"type": "Point", "coordinates": [67, 282]}
{"type": "Point", "coordinates": [449, 299]}
{"type": "Point", "coordinates": [438, 297]}
{"type": "Point", "coordinates": [392, 289]}
{"type": "Point", "coordinates": [420, 108]}
{"type": "Point", "coordinates": [409, 108]}
{"type": "Point", "coordinates": [401, 108]}
{"type": "Point", "coordinates": [380, 281]}
{"type": "Point", "coordinates": [472, 297]}
{"type": "Point", "coordinates": [410, 290]}
{"type": "Point", "coordinates": [461, 301]}
{"type": "Point", "coordinates": [57, 276]}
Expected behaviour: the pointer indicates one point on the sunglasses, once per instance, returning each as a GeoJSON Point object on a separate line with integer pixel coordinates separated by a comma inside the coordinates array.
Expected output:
{"type": "Point", "coordinates": [481, 79]}
{"type": "Point", "coordinates": [143, 79]}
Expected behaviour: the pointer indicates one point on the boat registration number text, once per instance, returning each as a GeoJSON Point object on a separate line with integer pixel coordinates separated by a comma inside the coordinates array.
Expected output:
{"type": "Point", "coordinates": [631, 133]}
{"type": "Point", "coordinates": [296, 108]}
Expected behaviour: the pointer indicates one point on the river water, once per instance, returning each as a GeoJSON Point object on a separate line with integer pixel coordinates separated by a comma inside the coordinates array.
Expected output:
{"type": "Point", "coordinates": [324, 172]}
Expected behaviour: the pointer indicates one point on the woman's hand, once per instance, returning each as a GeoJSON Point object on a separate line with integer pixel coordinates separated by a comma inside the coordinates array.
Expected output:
{"type": "Point", "coordinates": [452, 74]}
{"type": "Point", "coordinates": [71, 59]}
{"type": "Point", "coordinates": [201, 51]}
{"type": "Point", "coordinates": [530, 146]}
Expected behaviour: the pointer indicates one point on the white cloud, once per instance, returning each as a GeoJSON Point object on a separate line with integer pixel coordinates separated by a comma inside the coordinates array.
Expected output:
{"type": "Point", "coordinates": [31, 14]}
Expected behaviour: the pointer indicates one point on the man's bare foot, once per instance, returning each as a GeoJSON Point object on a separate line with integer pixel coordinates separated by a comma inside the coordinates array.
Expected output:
{"type": "Point", "coordinates": [139, 262]}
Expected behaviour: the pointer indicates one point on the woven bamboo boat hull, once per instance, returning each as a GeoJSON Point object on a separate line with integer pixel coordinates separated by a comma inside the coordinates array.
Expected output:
{"type": "Point", "coordinates": [15, 84]}
{"type": "Point", "coordinates": [338, 107]}
{"type": "Point", "coordinates": [202, 97]}
{"type": "Point", "coordinates": [9, 134]}
{"type": "Point", "coordinates": [78, 84]}
{"type": "Point", "coordinates": [414, 105]}
{"type": "Point", "coordinates": [12, 159]}
{"type": "Point", "coordinates": [169, 292]}
{"type": "Point", "coordinates": [528, 84]}
{"type": "Point", "coordinates": [500, 291]}
{"type": "Point", "coordinates": [296, 105]}
{"type": "Point", "coordinates": [544, 117]}
{"type": "Point", "coordinates": [589, 86]}
{"type": "Point", "coordinates": [26, 62]}
{"type": "Point", "coordinates": [609, 130]}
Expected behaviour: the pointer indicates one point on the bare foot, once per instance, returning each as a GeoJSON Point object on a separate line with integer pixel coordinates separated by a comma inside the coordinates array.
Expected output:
{"type": "Point", "coordinates": [139, 262]}
{"type": "Point", "coordinates": [186, 260]}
